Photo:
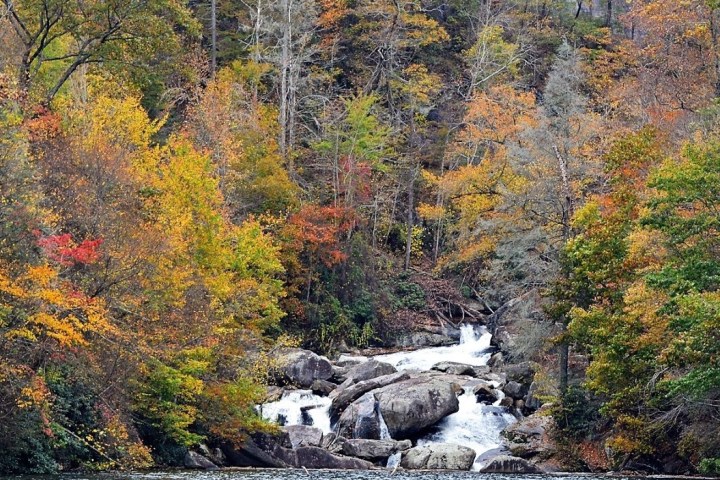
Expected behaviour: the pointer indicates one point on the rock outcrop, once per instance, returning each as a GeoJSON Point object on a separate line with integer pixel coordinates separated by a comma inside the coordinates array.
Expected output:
{"type": "Point", "coordinates": [196, 461]}
{"type": "Point", "coordinates": [348, 393]}
{"type": "Point", "coordinates": [368, 370]}
{"type": "Point", "coordinates": [304, 436]}
{"type": "Point", "coordinates": [374, 450]}
{"type": "Point", "coordinates": [439, 456]}
{"type": "Point", "coordinates": [316, 457]}
{"type": "Point", "coordinates": [530, 437]}
{"type": "Point", "coordinates": [508, 464]}
{"type": "Point", "coordinates": [410, 406]}
{"type": "Point", "coordinates": [301, 368]}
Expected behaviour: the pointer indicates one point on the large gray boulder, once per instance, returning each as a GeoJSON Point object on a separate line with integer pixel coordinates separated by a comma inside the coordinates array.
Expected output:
{"type": "Point", "coordinates": [196, 461]}
{"type": "Point", "coordinates": [374, 450]}
{"type": "Point", "coordinates": [508, 464]}
{"type": "Point", "coordinates": [361, 419]}
{"type": "Point", "coordinates": [258, 451]}
{"type": "Point", "coordinates": [315, 457]}
{"type": "Point", "coordinates": [301, 368]}
{"type": "Point", "coordinates": [410, 406]}
{"type": "Point", "coordinates": [485, 393]}
{"type": "Point", "coordinates": [423, 339]}
{"type": "Point", "coordinates": [531, 437]}
{"type": "Point", "coordinates": [304, 436]}
{"type": "Point", "coordinates": [370, 369]}
{"type": "Point", "coordinates": [515, 390]}
{"type": "Point", "coordinates": [348, 393]}
{"type": "Point", "coordinates": [439, 456]}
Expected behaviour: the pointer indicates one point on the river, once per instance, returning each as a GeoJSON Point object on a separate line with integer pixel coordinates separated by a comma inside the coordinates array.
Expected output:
{"type": "Point", "coordinates": [291, 474]}
{"type": "Point", "coordinates": [474, 425]}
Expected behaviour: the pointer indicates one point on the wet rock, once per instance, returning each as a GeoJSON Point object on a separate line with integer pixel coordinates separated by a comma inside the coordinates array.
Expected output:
{"type": "Point", "coordinates": [273, 393]}
{"type": "Point", "coordinates": [196, 461]}
{"type": "Point", "coordinates": [215, 455]}
{"type": "Point", "coordinates": [369, 370]}
{"type": "Point", "coordinates": [515, 390]}
{"type": "Point", "coordinates": [345, 394]}
{"type": "Point", "coordinates": [455, 368]}
{"type": "Point", "coordinates": [439, 456]}
{"type": "Point", "coordinates": [374, 450]}
{"type": "Point", "coordinates": [315, 457]}
{"type": "Point", "coordinates": [496, 360]}
{"type": "Point", "coordinates": [485, 394]}
{"type": "Point", "coordinates": [322, 387]}
{"type": "Point", "coordinates": [304, 436]}
{"type": "Point", "coordinates": [412, 405]}
{"type": "Point", "coordinates": [301, 368]}
{"type": "Point", "coordinates": [508, 464]}
{"type": "Point", "coordinates": [530, 437]}
{"type": "Point", "coordinates": [507, 402]}
{"type": "Point", "coordinates": [361, 419]}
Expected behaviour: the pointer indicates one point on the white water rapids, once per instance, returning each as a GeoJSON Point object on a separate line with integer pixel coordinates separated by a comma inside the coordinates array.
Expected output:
{"type": "Point", "coordinates": [474, 425]}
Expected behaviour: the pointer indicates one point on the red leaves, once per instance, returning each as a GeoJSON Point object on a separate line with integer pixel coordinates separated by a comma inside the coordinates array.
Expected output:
{"type": "Point", "coordinates": [65, 251]}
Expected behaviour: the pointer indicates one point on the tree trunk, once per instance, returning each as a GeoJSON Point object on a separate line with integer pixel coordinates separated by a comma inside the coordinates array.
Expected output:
{"type": "Point", "coordinates": [608, 18]}
{"type": "Point", "coordinates": [563, 356]}
{"type": "Point", "coordinates": [284, 77]}
{"type": "Point", "coordinates": [410, 217]}
{"type": "Point", "coordinates": [213, 37]}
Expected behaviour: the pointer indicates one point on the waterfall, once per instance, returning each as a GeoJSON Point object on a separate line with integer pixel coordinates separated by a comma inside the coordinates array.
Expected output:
{"type": "Point", "coordinates": [474, 425]}
{"type": "Point", "coordinates": [299, 407]}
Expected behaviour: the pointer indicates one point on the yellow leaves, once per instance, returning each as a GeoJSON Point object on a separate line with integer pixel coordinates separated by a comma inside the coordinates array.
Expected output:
{"type": "Point", "coordinates": [45, 306]}
{"type": "Point", "coordinates": [431, 212]}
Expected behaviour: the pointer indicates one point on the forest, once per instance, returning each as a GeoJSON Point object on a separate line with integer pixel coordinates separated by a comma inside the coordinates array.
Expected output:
{"type": "Point", "coordinates": [187, 187]}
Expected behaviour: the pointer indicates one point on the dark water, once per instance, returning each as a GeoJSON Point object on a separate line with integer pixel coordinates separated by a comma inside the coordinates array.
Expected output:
{"type": "Point", "coordinates": [291, 474]}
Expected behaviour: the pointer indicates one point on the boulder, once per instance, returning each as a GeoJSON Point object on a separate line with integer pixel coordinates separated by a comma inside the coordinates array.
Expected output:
{"type": "Point", "coordinates": [532, 403]}
{"type": "Point", "coordinates": [496, 360]}
{"type": "Point", "coordinates": [339, 374]}
{"type": "Point", "coordinates": [322, 387]}
{"type": "Point", "coordinates": [508, 464]}
{"type": "Point", "coordinates": [273, 393]}
{"type": "Point", "coordinates": [455, 368]}
{"type": "Point", "coordinates": [315, 457]}
{"type": "Point", "coordinates": [520, 372]}
{"type": "Point", "coordinates": [197, 461]}
{"type": "Point", "coordinates": [413, 405]}
{"type": "Point", "coordinates": [257, 451]}
{"type": "Point", "coordinates": [301, 368]}
{"type": "Point", "coordinates": [515, 390]}
{"type": "Point", "coordinates": [333, 442]}
{"type": "Point", "coordinates": [507, 402]}
{"type": "Point", "coordinates": [423, 339]}
{"type": "Point", "coordinates": [530, 437]}
{"type": "Point", "coordinates": [361, 419]}
{"type": "Point", "coordinates": [485, 394]}
{"type": "Point", "coordinates": [368, 370]}
{"type": "Point", "coordinates": [215, 455]}
{"type": "Point", "coordinates": [439, 456]}
{"type": "Point", "coordinates": [374, 450]}
{"type": "Point", "coordinates": [345, 394]}
{"type": "Point", "coordinates": [304, 436]}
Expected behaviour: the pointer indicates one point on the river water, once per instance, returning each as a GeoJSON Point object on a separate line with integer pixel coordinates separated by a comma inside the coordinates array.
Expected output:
{"type": "Point", "coordinates": [291, 474]}
{"type": "Point", "coordinates": [474, 425]}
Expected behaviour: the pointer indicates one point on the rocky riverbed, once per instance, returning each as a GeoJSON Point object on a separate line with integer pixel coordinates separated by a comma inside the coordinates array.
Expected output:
{"type": "Point", "coordinates": [443, 407]}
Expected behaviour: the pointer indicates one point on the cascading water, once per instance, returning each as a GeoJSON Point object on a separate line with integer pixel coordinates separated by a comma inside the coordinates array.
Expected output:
{"type": "Point", "coordinates": [474, 425]}
{"type": "Point", "coordinates": [299, 407]}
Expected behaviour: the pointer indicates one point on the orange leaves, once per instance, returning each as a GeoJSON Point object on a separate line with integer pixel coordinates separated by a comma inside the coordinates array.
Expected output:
{"type": "Point", "coordinates": [319, 229]}
{"type": "Point", "coordinates": [42, 305]}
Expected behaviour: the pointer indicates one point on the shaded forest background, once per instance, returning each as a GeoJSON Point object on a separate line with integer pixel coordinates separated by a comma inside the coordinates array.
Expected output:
{"type": "Point", "coordinates": [186, 186]}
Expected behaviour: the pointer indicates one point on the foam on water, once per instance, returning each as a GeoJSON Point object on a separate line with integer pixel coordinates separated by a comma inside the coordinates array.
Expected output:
{"type": "Point", "coordinates": [470, 351]}
{"type": "Point", "coordinates": [299, 407]}
{"type": "Point", "coordinates": [474, 425]}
